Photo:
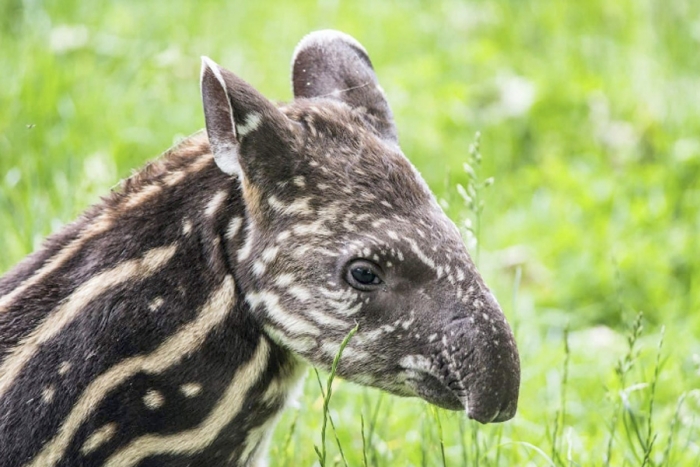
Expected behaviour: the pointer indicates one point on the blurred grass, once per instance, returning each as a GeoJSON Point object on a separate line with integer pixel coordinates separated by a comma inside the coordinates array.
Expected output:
{"type": "Point", "coordinates": [590, 125]}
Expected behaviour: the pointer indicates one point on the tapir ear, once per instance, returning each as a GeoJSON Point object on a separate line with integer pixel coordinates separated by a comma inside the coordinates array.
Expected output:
{"type": "Point", "coordinates": [244, 128]}
{"type": "Point", "coordinates": [333, 65]}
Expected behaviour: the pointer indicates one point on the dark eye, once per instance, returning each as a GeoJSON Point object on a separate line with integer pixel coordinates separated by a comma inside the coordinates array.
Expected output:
{"type": "Point", "coordinates": [363, 275]}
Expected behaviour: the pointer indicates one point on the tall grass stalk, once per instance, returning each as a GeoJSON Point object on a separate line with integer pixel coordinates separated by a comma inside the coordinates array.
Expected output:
{"type": "Point", "coordinates": [364, 441]}
{"type": "Point", "coordinates": [462, 440]}
{"type": "Point", "coordinates": [666, 459]}
{"type": "Point", "coordinates": [560, 415]}
{"type": "Point", "coordinates": [475, 444]}
{"type": "Point", "coordinates": [622, 368]}
{"type": "Point", "coordinates": [472, 193]}
{"type": "Point", "coordinates": [321, 453]}
{"type": "Point", "coordinates": [441, 439]}
{"type": "Point", "coordinates": [330, 419]}
{"type": "Point", "coordinates": [423, 446]}
{"type": "Point", "coordinates": [288, 438]}
{"type": "Point", "coordinates": [374, 415]}
{"type": "Point", "coordinates": [651, 436]}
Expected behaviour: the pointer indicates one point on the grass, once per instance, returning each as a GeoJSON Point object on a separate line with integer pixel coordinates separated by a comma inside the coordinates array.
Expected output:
{"type": "Point", "coordinates": [588, 119]}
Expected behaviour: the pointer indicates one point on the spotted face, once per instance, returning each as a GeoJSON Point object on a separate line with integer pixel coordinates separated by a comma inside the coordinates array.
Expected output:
{"type": "Point", "coordinates": [342, 231]}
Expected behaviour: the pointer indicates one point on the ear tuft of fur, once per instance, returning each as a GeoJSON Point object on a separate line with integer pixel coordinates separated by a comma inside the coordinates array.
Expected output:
{"type": "Point", "coordinates": [218, 115]}
{"type": "Point", "coordinates": [331, 64]}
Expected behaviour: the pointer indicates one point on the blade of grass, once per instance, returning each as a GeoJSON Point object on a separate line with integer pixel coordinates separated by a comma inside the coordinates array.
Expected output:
{"type": "Point", "coordinates": [364, 441]}
{"type": "Point", "coordinates": [560, 415]}
{"type": "Point", "coordinates": [436, 416]}
{"type": "Point", "coordinates": [330, 419]}
{"type": "Point", "coordinates": [327, 396]}
{"type": "Point", "coordinates": [651, 436]}
{"type": "Point", "coordinates": [536, 449]}
{"type": "Point", "coordinates": [288, 438]}
{"type": "Point", "coordinates": [666, 459]}
{"type": "Point", "coordinates": [373, 426]}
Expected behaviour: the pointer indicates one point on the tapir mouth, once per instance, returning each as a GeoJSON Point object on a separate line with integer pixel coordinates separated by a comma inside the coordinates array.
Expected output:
{"type": "Point", "coordinates": [484, 407]}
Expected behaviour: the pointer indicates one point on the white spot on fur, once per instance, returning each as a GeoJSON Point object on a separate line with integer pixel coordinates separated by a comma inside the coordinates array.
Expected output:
{"type": "Point", "coordinates": [393, 235]}
{"type": "Point", "coordinates": [251, 123]}
{"type": "Point", "coordinates": [299, 206]}
{"type": "Point", "coordinates": [299, 181]}
{"type": "Point", "coordinates": [191, 389]}
{"type": "Point", "coordinates": [247, 247]}
{"type": "Point", "coordinates": [234, 226]}
{"type": "Point", "coordinates": [258, 268]}
{"type": "Point", "coordinates": [153, 399]}
{"type": "Point", "coordinates": [283, 280]}
{"type": "Point", "coordinates": [301, 251]}
{"type": "Point", "coordinates": [186, 226]}
{"type": "Point", "coordinates": [300, 293]}
{"type": "Point", "coordinates": [275, 203]}
{"type": "Point", "coordinates": [270, 253]}
{"type": "Point", "coordinates": [215, 203]}
{"type": "Point", "coordinates": [48, 393]}
{"type": "Point", "coordinates": [64, 367]}
{"type": "Point", "coordinates": [155, 303]}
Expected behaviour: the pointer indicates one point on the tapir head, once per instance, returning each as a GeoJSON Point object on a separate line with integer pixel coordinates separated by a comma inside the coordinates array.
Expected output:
{"type": "Point", "coordinates": [341, 230]}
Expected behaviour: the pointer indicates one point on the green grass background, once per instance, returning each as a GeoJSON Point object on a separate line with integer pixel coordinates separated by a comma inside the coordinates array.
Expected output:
{"type": "Point", "coordinates": [590, 119]}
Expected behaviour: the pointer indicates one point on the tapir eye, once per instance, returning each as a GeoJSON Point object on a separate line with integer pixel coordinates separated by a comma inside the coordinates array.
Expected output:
{"type": "Point", "coordinates": [363, 275]}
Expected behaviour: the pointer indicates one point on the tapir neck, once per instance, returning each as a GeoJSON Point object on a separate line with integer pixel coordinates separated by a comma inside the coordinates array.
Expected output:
{"type": "Point", "coordinates": [126, 338]}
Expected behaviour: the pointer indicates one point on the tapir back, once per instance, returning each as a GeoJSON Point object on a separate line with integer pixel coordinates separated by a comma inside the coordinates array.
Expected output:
{"type": "Point", "coordinates": [122, 337]}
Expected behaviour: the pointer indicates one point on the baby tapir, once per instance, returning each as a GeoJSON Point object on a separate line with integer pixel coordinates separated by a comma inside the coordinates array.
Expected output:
{"type": "Point", "coordinates": [171, 322]}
